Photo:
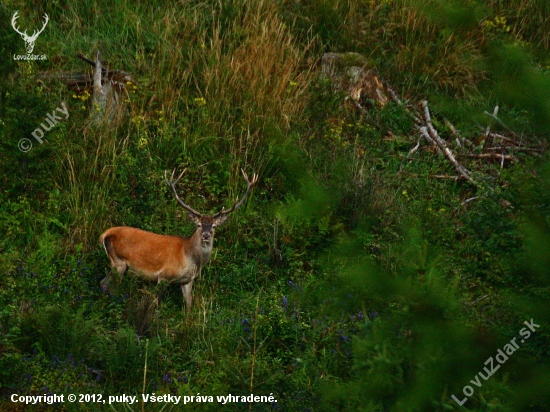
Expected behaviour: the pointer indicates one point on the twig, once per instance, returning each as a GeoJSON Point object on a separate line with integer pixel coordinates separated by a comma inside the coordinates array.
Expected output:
{"type": "Point", "coordinates": [469, 200]}
{"type": "Point", "coordinates": [452, 128]}
{"type": "Point", "coordinates": [494, 116]}
{"type": "Point", "coordinates": [501, 137]}
{"type": "Point", "coordinates": [430, 130]}
{"type": "Point", "coordinates": [518, 148]}
{"type": "Point", "coordinates": [487, 140]}
{"type": "Point", "coordinates": [478, 300]}
{"type": "Point", "coordinates": [414, 149]}
{"type": "Point", "coordinates": [498, 156]}
{"type": "Point", "coordinates": [458, 137]}
{"type": "Point", "coordinates": [357, 104]}
{"type": "Point", "coordinates": [448, 177]}
{"type": "Point", "coordinates": [82, 57]}
{"type": "Point", "coordinates": [396, 99]}
{"type": "Point", "coordinates": [424, 131]}
{"type": "Point", "coordinates": [392, 93]}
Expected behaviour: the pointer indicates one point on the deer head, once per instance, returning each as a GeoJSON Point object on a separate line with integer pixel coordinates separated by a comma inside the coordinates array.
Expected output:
{"type": "Point", "coordinates": [207, 224]}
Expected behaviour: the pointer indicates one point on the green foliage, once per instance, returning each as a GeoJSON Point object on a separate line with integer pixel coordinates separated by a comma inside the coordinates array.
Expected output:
{"type": "Point", "coordinates": [520, 84]}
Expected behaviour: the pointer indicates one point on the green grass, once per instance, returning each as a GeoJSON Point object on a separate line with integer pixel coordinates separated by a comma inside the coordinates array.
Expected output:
{"type": "Point", "coordinates": [352, 278]}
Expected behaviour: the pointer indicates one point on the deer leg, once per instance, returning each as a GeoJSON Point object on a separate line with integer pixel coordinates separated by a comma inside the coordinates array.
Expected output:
{"type": "Point", "coordinates": [120, 267]}
{"type": "Point", "coordinates": [186, 290]}
{"type": "Point", "coordinates": [104, 284]}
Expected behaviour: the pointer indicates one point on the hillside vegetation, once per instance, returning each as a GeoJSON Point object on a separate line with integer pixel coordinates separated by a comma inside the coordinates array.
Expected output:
{"type": "Point", "coordinates": [360, 275]}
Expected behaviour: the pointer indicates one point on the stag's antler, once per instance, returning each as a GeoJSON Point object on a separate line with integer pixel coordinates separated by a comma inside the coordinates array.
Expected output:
{"type": "Point", "coordinates": [240, 202]}
{"type": "Point", "coordinates": [172, 183]}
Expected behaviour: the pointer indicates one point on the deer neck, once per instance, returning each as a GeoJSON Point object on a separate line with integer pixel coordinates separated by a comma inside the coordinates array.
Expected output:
{"type": "Point", "coordinates": [201, 249]}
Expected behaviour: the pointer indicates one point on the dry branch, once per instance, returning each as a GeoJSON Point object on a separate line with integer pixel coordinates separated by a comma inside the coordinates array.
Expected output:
{"type": "Point", "coordinates": [83, 81]}
{"type": "Point", "coordinates": [488, 137]}
{"type": "Point", "coordinates": [363, 84]}
{"type": "Point", "coordinates": [497, 156]}
{"type": "Point", "coordinates": [495, 117]}
{"type": "Point", "coordinates": [431, 135]}
{"type": "Point", "coordinates": [518, 148]}
{"type": "Point", "coordinates": [459, 177]}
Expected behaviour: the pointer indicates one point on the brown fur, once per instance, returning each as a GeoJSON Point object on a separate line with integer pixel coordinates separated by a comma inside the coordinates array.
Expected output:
{"type": "Point", "coordinates": [160, 258]}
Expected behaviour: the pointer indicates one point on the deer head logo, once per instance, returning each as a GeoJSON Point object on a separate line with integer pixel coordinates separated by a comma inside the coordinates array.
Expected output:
{"type": "Point", "coordinates": [29, 40]}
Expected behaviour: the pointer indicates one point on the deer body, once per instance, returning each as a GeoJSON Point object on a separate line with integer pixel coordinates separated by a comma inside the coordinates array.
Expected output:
{"type": "Point", "coordinates": [158, 258]}
{"type": "Point", "coordinates": [165, 258]}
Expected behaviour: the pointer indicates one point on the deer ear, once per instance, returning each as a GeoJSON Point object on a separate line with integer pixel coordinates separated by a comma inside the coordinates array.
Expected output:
{"type": "Point", "coordinates": [194, 218]}
{"type": "Point", "coordinates": [220, 219]}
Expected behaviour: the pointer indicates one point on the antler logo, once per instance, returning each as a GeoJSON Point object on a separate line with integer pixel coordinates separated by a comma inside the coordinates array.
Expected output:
{"type": "Point", "coordinates": [29, 40]}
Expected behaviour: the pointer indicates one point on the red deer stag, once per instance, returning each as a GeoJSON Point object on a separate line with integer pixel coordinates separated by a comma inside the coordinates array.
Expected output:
{"type": "Point", "coordinates": [162, 257]}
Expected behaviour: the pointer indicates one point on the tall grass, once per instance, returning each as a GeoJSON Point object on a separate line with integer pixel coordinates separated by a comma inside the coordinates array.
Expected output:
{"type": "Point", "coordinates": [220, 84]}
{"type": "Point", "coordinates": [86, 172]}
{"type": "Point", "coordinates": [527, 19]}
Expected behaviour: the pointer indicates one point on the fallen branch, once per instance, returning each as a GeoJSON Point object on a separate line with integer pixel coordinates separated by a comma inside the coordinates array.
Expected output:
{"type": "Point", "coordinates": [469, 200]}
{"type": "Point", "coordinates": [518, 148]}
{"type": "Point", "coordinates": [432, 136]}
{"type": "Point", "coordinates": [488, 144]}
{"type": "Point", "coordinates": [488, 137]}
{"type": "Point", "coordinates": [448, 177]}
{"type": "Point", "coordinates": [455, 133]}
{"type": "Point", "coordinates": [478, 300]}
{"type": "Point", "coordinates": [498, 156]}
{"type": "Point", "coordinates": [396, 99]}
{"type": "Point", "coordinates": [494, 116]}
{"type": "Point", "coordinates": [424, 131]}
{"type": "Point", "coordinates": [501, 137]}
{"type": "Point", "coordinates": [414, 149]}
{"type": "Point", "coordinates": [81, 81]}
